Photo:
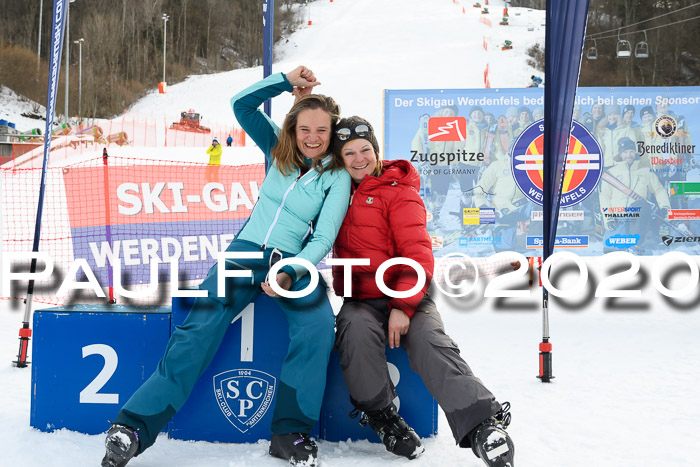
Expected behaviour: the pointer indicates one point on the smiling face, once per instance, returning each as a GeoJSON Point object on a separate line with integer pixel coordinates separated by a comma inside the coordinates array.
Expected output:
{"type": "Point", "coordinates": [313, 132]}
{"type": "Point", "coordinates": [597, 111]}
{"type": "Point", "coordinates": [359, 159]}
{"type": "Point", "coordinates": [628, 156]}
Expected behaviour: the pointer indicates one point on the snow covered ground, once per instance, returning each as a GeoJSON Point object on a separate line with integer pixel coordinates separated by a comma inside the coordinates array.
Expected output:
{"type": "Point", "coordinates": [626, 387]}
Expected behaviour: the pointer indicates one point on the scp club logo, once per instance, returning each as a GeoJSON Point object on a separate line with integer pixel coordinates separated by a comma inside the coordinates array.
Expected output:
{"type": "Point", "coordinates": [583, 164]}
{"type": "Point", "coordinates": [244, 396]}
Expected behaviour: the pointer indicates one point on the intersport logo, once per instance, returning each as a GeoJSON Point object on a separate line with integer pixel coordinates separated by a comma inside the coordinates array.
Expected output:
{"type": "Point", "coordinates": [447, 129]}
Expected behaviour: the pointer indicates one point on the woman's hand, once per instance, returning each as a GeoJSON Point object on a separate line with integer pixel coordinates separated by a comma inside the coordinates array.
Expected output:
{"type": "Point", "coordinates": [303, 80]}
{"type": "Point", "coordinates": [284, 280]}
{"type": "Point", "coordinates": [399, 323]}
{"type": "Point", "coordinates": [299, 92]}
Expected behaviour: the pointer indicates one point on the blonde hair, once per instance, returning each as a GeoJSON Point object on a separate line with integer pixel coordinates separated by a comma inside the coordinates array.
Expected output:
{"type": "Point", "coordinates": [286, 153]}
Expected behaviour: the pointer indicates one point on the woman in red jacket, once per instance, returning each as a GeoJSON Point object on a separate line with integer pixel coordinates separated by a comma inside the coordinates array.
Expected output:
{"type": "Point", "coordinates": [385, 220]}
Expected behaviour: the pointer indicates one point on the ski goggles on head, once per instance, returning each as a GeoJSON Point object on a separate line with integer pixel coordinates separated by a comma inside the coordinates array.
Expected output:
{"type": "Point", "coordinates": [344, 134]}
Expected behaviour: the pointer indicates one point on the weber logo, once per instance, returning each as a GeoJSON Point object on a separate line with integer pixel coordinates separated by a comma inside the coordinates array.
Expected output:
{"type": "Point", "coordinates": [244, 396]}
{"type": "Point", "coordinates": [447, 129]}
{"type": "Point", "coordinates": [622, 241]}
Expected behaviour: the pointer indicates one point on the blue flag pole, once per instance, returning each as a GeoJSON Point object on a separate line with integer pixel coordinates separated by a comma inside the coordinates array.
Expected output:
{"type": "Point", "coordinates": [268, 39]}
{"type": "Point", "coordinates": [57, 27]}
{"type": "Point", "coordinates": [564, 38]}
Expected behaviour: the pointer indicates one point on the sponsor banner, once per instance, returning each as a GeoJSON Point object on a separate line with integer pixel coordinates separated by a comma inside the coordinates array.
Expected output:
{"type": "Point", "coordinates": [193, 245]}
{"type": "Point", "coordinates": [668, 240]}
{"type": "Point", "coordinates": [482, 148]}
{"type": "Point", "coordinates": [684, 188]}
{"type": "Point", "coordinates": [564, 241]}
{"type": "Point", "coordinates": [436, 242]}
{"type": "Point", "coordinates": [479, 216]}
{"type": "Point", "coordinates": [683, 214]}
{"type": "Point", "coordinates": [622, 241]}
{"type": "Point", "coordinates": [479, 240]}
{"type": "Point", "coordinates": [583, 164]}
{"type": "Point", "coordinates": [447, 129]}
{"type": "Point", "coordinates": [563, 216]}
{"type": "Point", "coordinates": [157, 213]}
{"type": "Point", "coordinates": [161, 193]}
{"type": "Point", "coordinates": [622, 213]}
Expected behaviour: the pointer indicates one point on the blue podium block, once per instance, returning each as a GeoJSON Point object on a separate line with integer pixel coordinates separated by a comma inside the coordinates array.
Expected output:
{"type": "Point", "coordinates": [416, 405]}
{"type": "Point", "coordinates": [87, 360]}
{"type": "Point", "coordinates": [234, 399]}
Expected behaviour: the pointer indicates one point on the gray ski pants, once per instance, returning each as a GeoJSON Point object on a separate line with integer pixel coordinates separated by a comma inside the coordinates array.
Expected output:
{"type": "Point", "coordinates": [361, 338]}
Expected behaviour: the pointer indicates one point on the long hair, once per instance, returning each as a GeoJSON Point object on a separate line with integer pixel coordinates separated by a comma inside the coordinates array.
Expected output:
{"type": "Point", "coordinates": [285, 153]}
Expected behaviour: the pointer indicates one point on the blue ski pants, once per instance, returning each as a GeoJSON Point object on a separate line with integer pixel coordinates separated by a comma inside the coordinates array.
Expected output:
{"type": "Point", "coordinates": [194, 343]}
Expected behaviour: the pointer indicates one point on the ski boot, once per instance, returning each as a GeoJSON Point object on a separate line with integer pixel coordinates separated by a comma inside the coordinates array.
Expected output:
{"type": "Point", "coordinates": [397, 436]}
{"type": "Point", "coordinates": [122, 444]}
{"type": "Point", "coordinates": [297, 448]}
{"type": "Point", "coordinates": [491, 443]}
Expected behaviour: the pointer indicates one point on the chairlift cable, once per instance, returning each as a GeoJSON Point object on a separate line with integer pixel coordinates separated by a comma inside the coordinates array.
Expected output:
{"type": "Point", "coordinates": [643, 30]}
{"type": "Point", "coordinates": [640, 22]}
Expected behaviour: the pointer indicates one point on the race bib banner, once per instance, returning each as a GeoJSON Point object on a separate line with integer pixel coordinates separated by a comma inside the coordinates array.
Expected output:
{"type": "Point", "coordinates": [160, 212]}
{"type": "Point", "coordinates": [631, 177]}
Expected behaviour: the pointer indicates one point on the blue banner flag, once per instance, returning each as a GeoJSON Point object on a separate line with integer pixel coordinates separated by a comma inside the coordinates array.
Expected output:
{"type": "Point", "coordinates": [268, 28]}
{"type": "Point", "coordinates": [564, 38]}
{"type": "Point", "coordinates": [58, 21]}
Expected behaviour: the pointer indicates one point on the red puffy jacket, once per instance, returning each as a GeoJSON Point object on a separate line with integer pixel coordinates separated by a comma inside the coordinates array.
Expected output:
{"type": "Point", "coordinates": [386, 219]}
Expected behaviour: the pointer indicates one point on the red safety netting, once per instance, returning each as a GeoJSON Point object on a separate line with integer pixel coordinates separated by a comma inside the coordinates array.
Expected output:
{"type": "Point", "coordinates": [71, 141]}
{"type": "Point", "coordinates": [126, 211]}
{"type": "Point", "coordinates": [133, 212]}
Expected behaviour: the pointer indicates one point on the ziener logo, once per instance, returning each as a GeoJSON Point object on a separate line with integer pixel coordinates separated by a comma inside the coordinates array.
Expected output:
{"type": "Point", "coordinates": [244, 396]}
{"type": "Point", "coordinates": [583, 168]}
{"type": "Point", "coordinates": [668, 239]}
{"type": "Point", "coordinates": [665, 126]}
{"type": "Point", "coordinates": [447, 129]}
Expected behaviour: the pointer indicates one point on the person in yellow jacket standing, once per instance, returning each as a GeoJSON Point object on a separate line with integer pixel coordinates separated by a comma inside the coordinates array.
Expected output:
{"type": "Point", "coordinates": [214, 151]}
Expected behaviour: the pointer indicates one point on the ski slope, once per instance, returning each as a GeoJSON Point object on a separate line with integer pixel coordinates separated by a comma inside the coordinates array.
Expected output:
{"type": "Point", "coordinates": [625, 392]}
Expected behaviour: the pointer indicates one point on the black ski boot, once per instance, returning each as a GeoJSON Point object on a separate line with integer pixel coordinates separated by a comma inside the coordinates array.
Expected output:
{"type": "Point", "coordinates": [491, 443]}
{"type": "Point", "coordinates": [397, 436]}
{"type": "Point", "coordinates": [297, 448]}
{"type": "Point", "coordinates": [122, 444]}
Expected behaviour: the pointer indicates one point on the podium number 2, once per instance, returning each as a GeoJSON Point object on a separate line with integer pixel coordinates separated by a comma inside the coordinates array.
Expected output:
{"type": "Point", "coordinates": [89, 395]}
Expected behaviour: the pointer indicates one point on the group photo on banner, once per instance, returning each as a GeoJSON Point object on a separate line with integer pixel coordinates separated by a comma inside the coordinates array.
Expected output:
{"type": "Point", "coordinates": [632, 180]}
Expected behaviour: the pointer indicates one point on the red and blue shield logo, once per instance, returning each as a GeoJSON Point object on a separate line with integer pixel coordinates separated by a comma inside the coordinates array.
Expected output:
{"type": "Point", "coordinates": [583, 164]}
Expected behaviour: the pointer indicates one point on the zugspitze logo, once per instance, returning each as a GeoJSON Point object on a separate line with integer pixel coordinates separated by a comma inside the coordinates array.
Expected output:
{"type": "Point", "coordinates": [447, 129]}
{"type": "Point", "coordinates": [583, 164]}
{"type": "Point", "coordinates": [665, 126]}
{"type": "Point", "coordinates": [244, 396]}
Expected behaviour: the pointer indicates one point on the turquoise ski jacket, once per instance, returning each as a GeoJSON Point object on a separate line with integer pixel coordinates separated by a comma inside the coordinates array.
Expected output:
{"type": "Point", "coordinates": [298, 214]}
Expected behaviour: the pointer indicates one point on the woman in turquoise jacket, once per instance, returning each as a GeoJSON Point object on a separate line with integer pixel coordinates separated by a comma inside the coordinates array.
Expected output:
{"type": "Point", "coordinates": [301, 205]}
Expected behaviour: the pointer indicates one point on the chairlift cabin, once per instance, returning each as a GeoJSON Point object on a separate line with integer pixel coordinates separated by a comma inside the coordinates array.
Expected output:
{"type": "Point", "coordinates": [641, 49]}
{"type": "Point", "coordinates": [592, 52]}
{"type": "Point", "coordinates": [624, 48]}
